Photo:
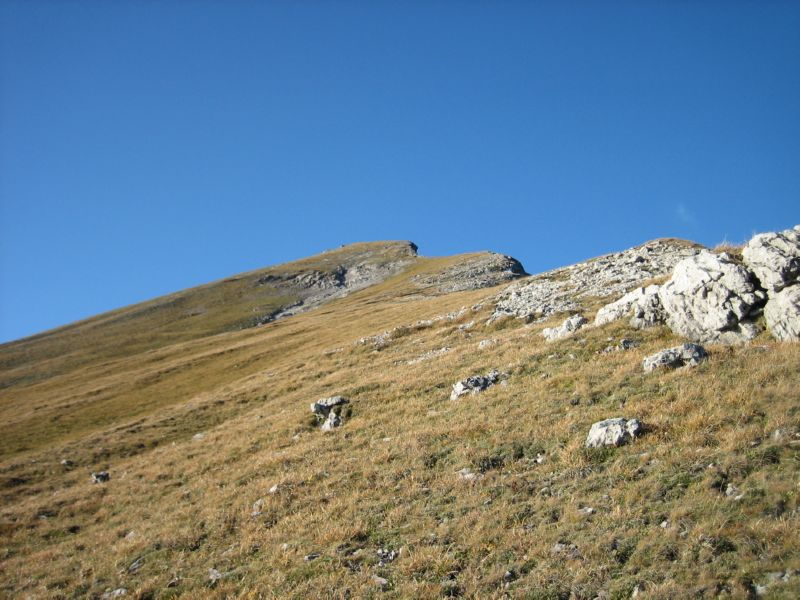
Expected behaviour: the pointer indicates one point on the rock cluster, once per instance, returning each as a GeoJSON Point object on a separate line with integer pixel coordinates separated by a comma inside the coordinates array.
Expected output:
{"type": "Point", "coordinates": [474, 384]}
{"type": "Point", "coordinates": [485, 270]}
{"type": "Point", "coordinates": [329, 411]}
{"type": "Point", "coordinates": [613, 432]}
{"type": "Point", "coordinates": [687, 355]}
{"type": "Point", "coordinates": [537, 298]}
{"type": "Point", "coordinates": [715, 298]}
{"type": "Point", "coordinates": [566, 329]}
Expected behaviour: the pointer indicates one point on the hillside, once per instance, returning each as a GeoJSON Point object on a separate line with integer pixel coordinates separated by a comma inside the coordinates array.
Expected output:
{"type": "Point", "coordinates": [222, 484]}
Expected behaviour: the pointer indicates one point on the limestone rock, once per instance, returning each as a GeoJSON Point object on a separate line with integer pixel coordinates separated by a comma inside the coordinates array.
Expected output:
{"type": "Point", "coordinates": [774, 258]}
{"type": "Point", "coordinates": [101, 477]}
{"type": "Point", "coordinates": [474, 384]}
{"type": "Point", "coordinates": [686, 355]}
{"type": "Point", "coordinates": [484, 270]}
{"type": "Point", "coordinates": [710, 298]}
{"type": "Point", "coordinates": [566, 329]}
{"type": "Point", "coordinates": [539, 297]}
{"type": "Point", "coordinates": [782, 314]}
{"type": "Point", "coordinates": [329, 411]}
{"type": "Point", "coordinates": [613, 432]}
{"type": "Point", "coordinates": [642, 304]}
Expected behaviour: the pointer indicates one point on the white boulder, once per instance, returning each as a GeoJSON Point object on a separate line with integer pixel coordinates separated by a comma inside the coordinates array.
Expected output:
{"type": "Point", "coordinates": [613, 432]}
{"type": "Point", "coordinates": [782, 314]}
{"type": "Point", "coordinates": [774, 258]}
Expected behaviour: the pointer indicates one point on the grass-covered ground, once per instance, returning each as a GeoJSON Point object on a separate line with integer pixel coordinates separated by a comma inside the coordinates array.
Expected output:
{"type": "Point", "coordinates": [666, 519]}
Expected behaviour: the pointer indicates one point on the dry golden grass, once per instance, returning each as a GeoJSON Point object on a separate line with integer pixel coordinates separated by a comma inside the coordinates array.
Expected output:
{"type": "Point", "coordinates": [179, 506]}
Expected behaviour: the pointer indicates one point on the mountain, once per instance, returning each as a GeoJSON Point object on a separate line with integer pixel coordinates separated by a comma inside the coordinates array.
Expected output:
{"type": "Point", "coordinates": [369, 422]}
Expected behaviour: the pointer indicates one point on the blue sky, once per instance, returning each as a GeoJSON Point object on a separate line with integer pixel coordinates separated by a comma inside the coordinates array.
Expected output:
{"type": "Point", "coordinates": [147, 147]}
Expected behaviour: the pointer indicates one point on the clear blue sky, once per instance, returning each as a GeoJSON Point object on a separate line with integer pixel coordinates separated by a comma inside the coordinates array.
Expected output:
{"type": "Point", "coordinates": [146, 146]}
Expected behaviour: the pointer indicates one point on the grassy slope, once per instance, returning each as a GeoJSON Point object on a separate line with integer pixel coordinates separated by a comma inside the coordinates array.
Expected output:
{"type": "Point", "coordinates": [388, 478]}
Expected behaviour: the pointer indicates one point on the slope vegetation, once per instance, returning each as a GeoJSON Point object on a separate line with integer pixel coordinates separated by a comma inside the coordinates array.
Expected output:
{"type": "Point", "coordinates": [223, 485]}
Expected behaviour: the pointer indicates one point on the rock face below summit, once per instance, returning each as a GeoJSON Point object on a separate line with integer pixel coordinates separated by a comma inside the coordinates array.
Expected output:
{"type": "Point", "coordinates": [359, 269]}
{"type": "Point", "coordinates": [484, 270]}
{"type": "Point", "coordinates": [774, 258]}
{"type": "Point", "coordinates": [561, 290]}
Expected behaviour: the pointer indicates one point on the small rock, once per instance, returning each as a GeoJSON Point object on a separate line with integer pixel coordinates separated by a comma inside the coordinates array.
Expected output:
{"type": "Point", "coordinates": [274, 489]}
{"type": "Point", "coordinates": [257, 506]}
{"type": "Point", "coordinates": [474, 384]}
{"type": "Point", "coordinates": [731, 491]}
{"type": "Point", "coordinates": [328, 411]}
{"type": "Point", "coordinates": [130, 535]}
{"type": "Point", "coordinates": [613, 432]}
{"type": "Point", "coordinates": [100, 477]}
{"type": "Point", "coordinates": [566, 549]}
{"type": "Point", "coordinates": [380, 581]}
{"type": "Point", "coordinates": [198, 436]}
{"type": "Point", "coordinates": [587, 510]}
{"type": "Point", "coordinates": [67, 463]}
{"type": "Point", "coordinates": [214, 576]}
{"type": "Point", "coordinates": [135, 565]}
{"type": "Point", "coordinates": [509, 576]}
{"type": "Point", "coordinates": [566, 329]}
{"type": "Point", "coordinates": [117, 593]}
{"type": "Point", "coordinates": [467, 475]}
{"type": "Point", "coordinates": [689, 355]}
{"type": "Point", "coordinates": [664, 524]}
{"type": "Point", "coordinates": [312, 556]}
{"type": "Point", "coordinates": [386, 556]}
{"type": "Point", "coordinates": [483, 344]}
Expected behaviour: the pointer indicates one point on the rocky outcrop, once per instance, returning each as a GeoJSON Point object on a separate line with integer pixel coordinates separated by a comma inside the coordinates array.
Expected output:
{"type": "Point", "coordinates": [484, 270]}
{"type": "Point", "coordinates": [539, 297]}
{"type": "Point", "coordinates": [642, 305]}
{"type": "Point", "coordinates": [474, 384]}
{"type": "Point", "coordinates": [613, 432]}
{"type": "Point", "coordinates": [566, 329]}
{"type": "Point", "coordinates": [336, 274]}
{"type": "Point", "coordinates": [774, 258]}
{"type": "Point", "coordinates": [711, 298]}
{"type": "Point", "coordinates": [689, 355]}
{"type": "Point", "coordinates": [782, 314]}
{"type": "Point", "coordinates": [329, 411]}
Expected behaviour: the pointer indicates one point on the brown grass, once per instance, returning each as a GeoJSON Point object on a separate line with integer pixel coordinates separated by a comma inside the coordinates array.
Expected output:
{"type": "Point", "coordinates": [388, 478]}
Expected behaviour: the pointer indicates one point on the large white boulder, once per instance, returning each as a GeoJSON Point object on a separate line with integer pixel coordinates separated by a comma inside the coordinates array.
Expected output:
{"type": "Point", "coordinates": [710, 298]}
{"type": "Point", "coordinates": [782, 314]}
{"type": "Point", "coordinates": [774, 258]}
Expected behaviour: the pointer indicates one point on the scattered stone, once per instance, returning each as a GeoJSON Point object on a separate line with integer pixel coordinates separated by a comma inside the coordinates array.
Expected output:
{"type": "Point", "coordinates": [566, 329]}
{"type": "Point", "coordinates": [67, 463]}
{"type": "Point", "coordinates": [566, 550]}
{"type": "Point", "coordinates": [386, 556]}
{"type": "Point", "coordinates": [687, 355]}
{"type": "Point", "coordinates": [509, 576]}
{"type": "Point", "coordinates": [773, 578]}
{"type": "Point", "coordinates": [429, 355]}
{"type": "Point", "coordinates": [732, 492]}
{"type": "Point", "coordinates": [711, 298]}
{"type": "Point", "coordinates": [130, 535]}
{"type": "Point", "coordinates": [774, 258]}
{"type": "Point", "coordinates": [782, 314]}
{"type": "Point", "coordinates": [312, 556]}
{"type": "Point", "coordinates": [587, 510]}
{"type": "Point", "coordinates": [117, 593]}
{"type": "Point", "coordinates": [483, 344]}
{"type": "Point", "coordinates": [214, 576]}
{"type": "Point", "coordinates": [380, 581]}
{"type": "Point", "coordinates": [258, 505]}
{"type": "Point", "coordinates": [328, 411]}
{"type": "Point", "coordinates": [613, 432]}
{"type": "Point", "coordinates": [467, 474]}
{"type": "Point", "coordinates": [100, 477]}
{"type": "Point", "coordinates": [664, 524]}
{"type": "Point", "coordinates": [135, 565]}
{"type": "Point", "coordinates": [198, 436]}
{"type": "Point", "coordinates": [474, 384]}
